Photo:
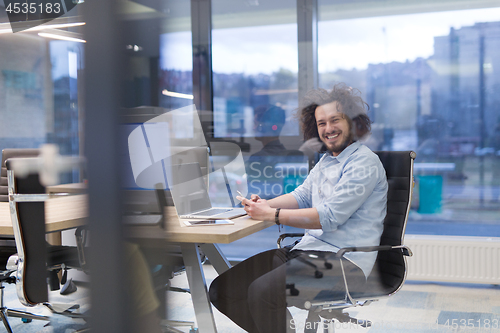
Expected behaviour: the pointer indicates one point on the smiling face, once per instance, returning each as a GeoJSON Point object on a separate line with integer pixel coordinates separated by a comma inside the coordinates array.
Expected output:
{"type": "Point", "coordinates": [333, 128]}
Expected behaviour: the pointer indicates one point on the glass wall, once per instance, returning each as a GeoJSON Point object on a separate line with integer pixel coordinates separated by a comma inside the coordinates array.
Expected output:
{"type": "Point", "coordinates": [428, 74]}
{"type": "Point", "coordinates": [39, 93]}
{"type": "Point", "coordinates": [255, 89]}
{"type": "Point", "coordinates": [255, 67]}
{"type": "Point", "coordinates": [176, 57]}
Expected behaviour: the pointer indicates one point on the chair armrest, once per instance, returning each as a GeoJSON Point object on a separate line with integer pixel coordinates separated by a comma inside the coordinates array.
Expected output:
{"type": "Point", "coordinates": [405, 249]}
{"type": "Point", "coordinates": [283, 236]}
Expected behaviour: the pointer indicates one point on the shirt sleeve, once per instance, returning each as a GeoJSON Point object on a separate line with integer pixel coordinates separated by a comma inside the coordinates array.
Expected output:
{"type": "Point", "coordinates": [358, 179]}
{"type": "Point", "coordinates": [303, 193]}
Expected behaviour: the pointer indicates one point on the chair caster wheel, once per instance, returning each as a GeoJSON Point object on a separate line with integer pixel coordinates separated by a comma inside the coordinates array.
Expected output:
{"type": "Point", "coordinates": [26, 320]}
{"type": "Point", "coordinates": [328, 265]}
{"type": "Point", "coordinates": [294, 292]}
{"type": "Point", "coordinates": [318, 274]}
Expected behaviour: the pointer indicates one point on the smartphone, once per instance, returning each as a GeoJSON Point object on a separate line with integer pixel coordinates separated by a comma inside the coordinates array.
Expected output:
{"type": "Point", "coordinates": [208, 222]}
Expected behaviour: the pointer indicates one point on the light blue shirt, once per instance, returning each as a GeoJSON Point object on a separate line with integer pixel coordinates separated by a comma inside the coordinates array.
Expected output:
{"type": "Point", "coordinates": [349, 192]}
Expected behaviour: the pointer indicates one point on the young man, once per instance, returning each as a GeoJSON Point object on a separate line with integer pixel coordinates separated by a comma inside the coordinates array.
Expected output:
{"type": "Point", "coordinates": [341, 203]}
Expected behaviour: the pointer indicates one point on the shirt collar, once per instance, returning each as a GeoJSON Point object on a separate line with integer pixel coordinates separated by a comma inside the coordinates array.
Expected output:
{"type": "Point", "coordinates": [346, 152]}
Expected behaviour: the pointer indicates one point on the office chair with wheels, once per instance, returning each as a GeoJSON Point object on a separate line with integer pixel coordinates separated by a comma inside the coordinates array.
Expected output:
{"type": "Point", "coordinates": [35, 257]}
{"type": "Point", "coordinates": [8, 245]}
{"type": "Point", "coordinates": [23, 153]}
{"type": "Point", "coordinates": [7, 276]}
{"type": "Point", "coordinates": [389, 272]}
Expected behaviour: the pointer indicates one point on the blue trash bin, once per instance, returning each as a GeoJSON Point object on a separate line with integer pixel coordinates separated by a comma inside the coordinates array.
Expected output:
{"type": "Point", "coordinates": [430, 193]}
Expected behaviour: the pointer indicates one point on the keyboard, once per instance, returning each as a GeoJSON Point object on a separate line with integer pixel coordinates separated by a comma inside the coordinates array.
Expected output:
{"type": "Point", "coordinates": [211, 212]}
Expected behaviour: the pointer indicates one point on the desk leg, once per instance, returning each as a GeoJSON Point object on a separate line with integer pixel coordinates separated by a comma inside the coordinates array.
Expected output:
{"type": "Point", "coordinates": [198, 287]}
{"type": "Point", "coordinates": [216, 257]}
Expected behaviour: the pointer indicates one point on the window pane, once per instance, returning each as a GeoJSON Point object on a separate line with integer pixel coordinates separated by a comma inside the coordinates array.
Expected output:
{"type": "Point", "coordinates": [176, 69]}
{"type": "Point", "coordinates": [255, 65]}
{"type": "Point", "coordinates": [39, 99]}
{"type": "Point", "coordinates": [429, 78]}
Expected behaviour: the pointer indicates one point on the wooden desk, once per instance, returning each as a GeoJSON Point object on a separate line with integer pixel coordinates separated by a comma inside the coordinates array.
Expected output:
{"type": "Point", "coordinates": [60, 214]}
{"type": "Point", "coordinates": [55, 238]}
{"type": "Point", "coordinates": [190, 239]}
{"type": "Point", "coordinates": [71, 211]}
{"type": "Point", "coordinates": [74, 188]}
{"type": "Point", "coordinates": [223, 234]}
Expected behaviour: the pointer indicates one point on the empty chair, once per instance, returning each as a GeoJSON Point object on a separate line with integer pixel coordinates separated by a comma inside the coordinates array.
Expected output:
{"type": "Point", "coordinates": [35, 257]}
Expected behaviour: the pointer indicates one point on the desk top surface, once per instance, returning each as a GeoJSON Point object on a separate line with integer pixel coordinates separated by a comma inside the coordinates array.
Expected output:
{"type": "Point", "coordinates": [60, 214]}
{"type": "Point", "coordinates": [79, 188]}
{"type": "Point", "coordinates": [224, 234]}
{"type": "Point", "coordinates": [71, 211]}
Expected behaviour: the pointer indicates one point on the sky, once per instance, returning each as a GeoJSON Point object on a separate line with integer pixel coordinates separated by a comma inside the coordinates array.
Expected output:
{"type": "Point", "coordinates": [342, 44]}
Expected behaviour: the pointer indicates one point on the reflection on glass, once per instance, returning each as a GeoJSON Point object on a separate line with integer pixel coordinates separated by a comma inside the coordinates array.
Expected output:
{"type": "Point", "coordinates": [253, 66]}
{"type": "Point", "coordinates": [40, 100]}
{"type": "Point", "coordinates": [176, 70]}
{"type": "Point", "coordinates": [274, 169]}
{"type": "Point", "coordinates": [67, 62]}
{"type": "Point", "coordinates": [429, 80]}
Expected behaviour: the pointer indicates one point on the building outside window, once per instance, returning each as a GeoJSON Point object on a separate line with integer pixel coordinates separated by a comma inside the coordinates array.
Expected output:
{"type": "Point", "coordinates": [429, 79]}
{"type": "Point", "coordinates": [39, 93]}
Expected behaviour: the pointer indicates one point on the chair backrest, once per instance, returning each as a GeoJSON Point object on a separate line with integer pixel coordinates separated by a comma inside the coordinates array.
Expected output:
{"type": "Point", "coordinates": [389, 272]}
{"type": "Point", "coordinates": [10, 153]}
{"type": "Point", "coordinates": [28, 221]}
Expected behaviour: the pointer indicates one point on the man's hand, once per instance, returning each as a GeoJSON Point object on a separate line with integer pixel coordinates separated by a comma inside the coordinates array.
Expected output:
{"type": "Point", "coordinates": [255, 197]}
{"type": "Point", "coordinates": [258, 208]}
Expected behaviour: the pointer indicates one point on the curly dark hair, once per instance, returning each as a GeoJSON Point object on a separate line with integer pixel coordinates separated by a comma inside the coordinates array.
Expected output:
{"type": "Point", "coordinates": [349, 103]}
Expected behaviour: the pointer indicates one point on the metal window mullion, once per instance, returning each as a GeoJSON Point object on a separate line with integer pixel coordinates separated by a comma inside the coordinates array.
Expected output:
{"type": "Point", "coordinates": [307, 38]}
{"type": "Point", "coordinates": [201, 29]}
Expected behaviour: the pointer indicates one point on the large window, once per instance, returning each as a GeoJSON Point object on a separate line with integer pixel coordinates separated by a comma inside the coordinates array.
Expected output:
{"type": "Point", "coordinates": [176, 58]}
{"type": "Point", "coordinates": [254, 67]}
{"type": "Point", "coordinates": [39, 93]}
{"type": "Point", "coordinates": [429, 78]}
{"type": "Point", "coordinates": [255, 89]}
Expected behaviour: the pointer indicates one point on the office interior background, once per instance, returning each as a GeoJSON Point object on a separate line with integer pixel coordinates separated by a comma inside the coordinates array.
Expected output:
{"type": "Point", "coordinates": [427, 69]}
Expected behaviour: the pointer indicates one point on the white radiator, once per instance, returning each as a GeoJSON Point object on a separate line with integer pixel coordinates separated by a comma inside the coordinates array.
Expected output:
{"type": "Point", "coordinates": [454, 259]}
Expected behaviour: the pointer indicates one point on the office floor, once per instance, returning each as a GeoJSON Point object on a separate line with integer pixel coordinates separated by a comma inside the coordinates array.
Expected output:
{"type": "Point", "coordinates": [419, 307]}
{"type": "Point", "coordinates": [58, 323]}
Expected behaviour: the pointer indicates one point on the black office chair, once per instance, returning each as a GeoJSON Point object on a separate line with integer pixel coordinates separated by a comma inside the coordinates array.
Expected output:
{"type": "Point", "coordinates": [7, 276]}
{"type": "Point", "coordinates": [389, 271]}
{"type": "Point", "coordinates": [35, 257]}
{"type": "Point", "coordinates": [8, 245]}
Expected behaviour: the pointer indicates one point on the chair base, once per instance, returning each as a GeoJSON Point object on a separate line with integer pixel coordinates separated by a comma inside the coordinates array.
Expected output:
{"type": "Point", "coordinates": [168, 326]}
{"type": "Point", "coordinates": [66, 310]}
{"type": "Point", "coordinates": [5, 312]}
